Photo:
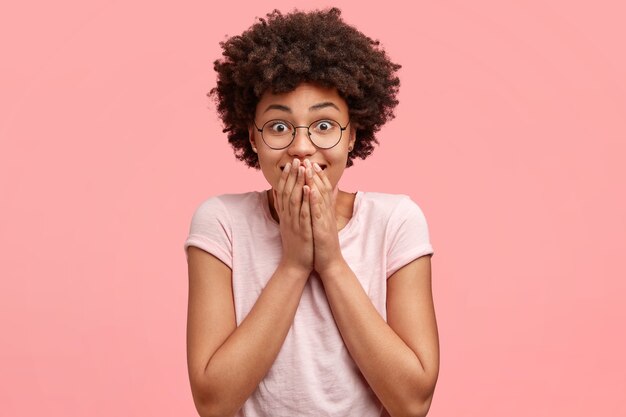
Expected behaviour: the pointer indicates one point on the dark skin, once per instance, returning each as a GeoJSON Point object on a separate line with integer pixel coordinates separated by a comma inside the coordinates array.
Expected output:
{"type": "Point", "coordinates": [398, 357]}
{"type": "Point", "coordinates": [344, 207]}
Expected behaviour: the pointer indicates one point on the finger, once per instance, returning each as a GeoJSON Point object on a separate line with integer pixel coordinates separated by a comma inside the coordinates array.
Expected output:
{"type": "Point", "coordinates": [309, 176]}
{"type": "Point", "coordinates": [329, 193]}
{"type": "Point", "coordinates": [309, 173]}
{"type": "Point", "coordinates": [305, 212]}
{"type": "Point", "coordinates": [280, 187]}
{"type": "Point", "coordinates": [291, 181]}
{"type": "Point", "coordinates": [315, 199]}
{"type": "Point", "coordinates": [295, 199]}
{"type": "Point", "coordinates": [322, 175]}
{"type": "Point", "coordinates": [324, 192]}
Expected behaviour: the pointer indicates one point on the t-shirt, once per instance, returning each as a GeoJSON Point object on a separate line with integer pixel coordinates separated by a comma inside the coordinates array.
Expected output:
{"type": "Point", "coordinates": [313, 374]}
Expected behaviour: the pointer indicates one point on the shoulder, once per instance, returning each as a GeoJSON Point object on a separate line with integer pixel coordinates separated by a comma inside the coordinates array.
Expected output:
{"type": "Point", "coordinates": [406, 231]}
{"type": "Point", "coordinates": [227, 204]}
{"type": "Point", "coordinates": [388, 205]}
{"type": "Point", "coordinates": [216, 221]}
{"type": "Point", "coordinates": [222, 212]}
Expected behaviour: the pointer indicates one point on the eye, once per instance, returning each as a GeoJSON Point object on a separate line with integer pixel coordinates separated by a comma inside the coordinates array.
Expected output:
{"type": "Point", "coordinates": [325, 126]}
{"type": "Point", "coordinates": [277, 127]}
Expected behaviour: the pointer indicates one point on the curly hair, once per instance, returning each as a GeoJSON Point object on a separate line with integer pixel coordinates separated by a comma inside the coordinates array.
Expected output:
{"type": "Point", "coordinates": [282, 51]}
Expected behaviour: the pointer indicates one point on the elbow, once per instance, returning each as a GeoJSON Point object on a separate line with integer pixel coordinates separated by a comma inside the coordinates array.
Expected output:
{"type": "Point", "coordinates": [212, 411]}
{"type": "Point", "coordinates": [416, 402]}
{"type": "Point", "coordinates": [415, 407]}
{"type": "Point", "coordinates": [208, 405]}
{"type": "Point", "coordinates": [411, 409]}
{"type": "Point", "coordinates": [422, 397]}
{"type": "Point", "coordinates": [420, 408]}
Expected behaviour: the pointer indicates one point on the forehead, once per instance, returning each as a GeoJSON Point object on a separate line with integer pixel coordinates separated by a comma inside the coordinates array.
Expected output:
{"type": "Point", "coordinates": [305, 98]}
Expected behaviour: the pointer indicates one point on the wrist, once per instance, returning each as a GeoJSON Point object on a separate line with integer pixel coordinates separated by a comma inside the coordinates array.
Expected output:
{"type": "Point", "coordinates": [337, 267]}
{"type": "Point", "coordinates": [294, 270]}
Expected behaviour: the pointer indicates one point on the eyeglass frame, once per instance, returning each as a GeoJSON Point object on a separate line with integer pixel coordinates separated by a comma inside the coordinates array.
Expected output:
{"type": "Point", "coordinates": [308, 132]}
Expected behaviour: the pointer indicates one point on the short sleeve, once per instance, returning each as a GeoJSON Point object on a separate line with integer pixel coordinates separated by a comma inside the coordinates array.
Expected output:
{"type": "Point", "coordinates": [408, 235]}
{"type": "Point", "coordinates": [211, 231]}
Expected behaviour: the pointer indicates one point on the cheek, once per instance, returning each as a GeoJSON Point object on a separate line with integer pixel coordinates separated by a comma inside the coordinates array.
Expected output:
{"type": "Point", "coordinates": [338, 167]}
{"type": "Point", "coordinates": [335, 175]}
{"type": "Point", "coordinates": [271, 174]}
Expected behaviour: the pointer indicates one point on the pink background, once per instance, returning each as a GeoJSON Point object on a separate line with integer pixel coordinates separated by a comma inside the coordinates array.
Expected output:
{"type": "Point", "coordinates": [511, 135]}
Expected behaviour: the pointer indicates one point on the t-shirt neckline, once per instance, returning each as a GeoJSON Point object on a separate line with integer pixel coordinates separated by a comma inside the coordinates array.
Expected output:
{"type": "Point", "coordinates": [355, 210]}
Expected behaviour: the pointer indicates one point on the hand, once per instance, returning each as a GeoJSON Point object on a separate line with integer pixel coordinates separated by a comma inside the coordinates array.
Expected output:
{"type": "Point", "coordinates": [291, 202]}
{"type": "Point", "coordinates": [324, 224]}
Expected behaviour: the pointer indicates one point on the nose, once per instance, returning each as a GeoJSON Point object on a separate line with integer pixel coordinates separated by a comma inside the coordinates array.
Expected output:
{"type": "Point", "coordinates": [301, 145]}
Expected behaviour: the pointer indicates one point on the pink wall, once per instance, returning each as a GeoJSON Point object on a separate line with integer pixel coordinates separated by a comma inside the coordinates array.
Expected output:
{"type": "Point", "coordinates": [511, 136]}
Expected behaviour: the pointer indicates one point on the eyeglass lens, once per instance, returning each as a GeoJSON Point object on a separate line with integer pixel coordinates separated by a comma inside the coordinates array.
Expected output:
{"type": "Point", "coordinates": [324, 133]}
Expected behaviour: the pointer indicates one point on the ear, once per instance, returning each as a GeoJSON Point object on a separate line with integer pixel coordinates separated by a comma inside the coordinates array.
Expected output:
{"type": "Point", "coordinates": [251, 138]}
{"type": "Point", "coordinates": [352, 139]}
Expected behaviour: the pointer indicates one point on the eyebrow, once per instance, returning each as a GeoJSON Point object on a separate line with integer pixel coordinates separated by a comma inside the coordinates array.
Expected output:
{"type": "Point", "coordinates": [277, 107]}
{"type": "Point", "coordinates": [318, 106]}
{"type": "Point", "coordinates": [323, 106]}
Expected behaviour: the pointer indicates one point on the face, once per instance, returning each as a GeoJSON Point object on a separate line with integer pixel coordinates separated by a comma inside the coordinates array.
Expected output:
{"type": "Point", "coordinates": [301, 107]}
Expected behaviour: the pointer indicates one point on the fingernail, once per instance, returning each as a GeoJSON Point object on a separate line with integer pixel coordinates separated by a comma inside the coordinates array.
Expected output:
{"type": "Point", "coordinates": [317, 167]}
{"type": "Point", "coordinates": [287, 167]}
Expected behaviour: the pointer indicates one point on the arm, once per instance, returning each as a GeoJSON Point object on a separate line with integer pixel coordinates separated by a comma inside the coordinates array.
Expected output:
{"type": "Point", "coordinates": [226, 362]}
{"type": "Point", "coordinates": [398, 358]}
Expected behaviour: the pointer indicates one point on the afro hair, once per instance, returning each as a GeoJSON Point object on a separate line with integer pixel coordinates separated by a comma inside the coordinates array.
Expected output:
{"type": "Point", "coordinates": [278, 53]}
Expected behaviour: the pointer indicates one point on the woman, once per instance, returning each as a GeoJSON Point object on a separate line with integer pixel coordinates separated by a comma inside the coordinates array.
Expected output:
{"type": "Point", "coordinates": [304, 299]}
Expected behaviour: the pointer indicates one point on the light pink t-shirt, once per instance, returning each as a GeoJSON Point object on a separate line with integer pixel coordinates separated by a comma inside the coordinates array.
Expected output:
{"type": "Point", "coordinates": [314, 374]}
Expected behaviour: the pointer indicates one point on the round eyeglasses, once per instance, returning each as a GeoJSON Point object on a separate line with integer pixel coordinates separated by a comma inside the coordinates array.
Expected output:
{"type": "Point", "coordinates": [279, 134]}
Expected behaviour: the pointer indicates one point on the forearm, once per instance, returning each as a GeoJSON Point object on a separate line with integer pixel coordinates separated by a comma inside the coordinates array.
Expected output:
{"type": "Point", "coordinates": [237, 367]}
{"type": "Point", "coordinates": [393, 371]}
